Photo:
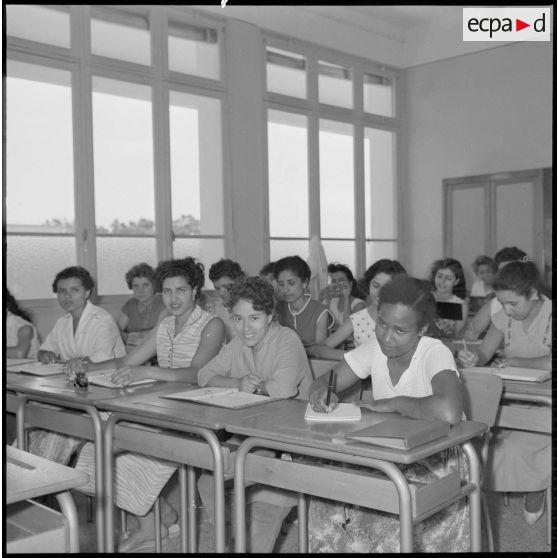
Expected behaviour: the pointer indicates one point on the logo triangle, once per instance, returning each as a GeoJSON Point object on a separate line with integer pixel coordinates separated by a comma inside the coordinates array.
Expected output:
{"type": "Point", "coordinates": [519, 24]}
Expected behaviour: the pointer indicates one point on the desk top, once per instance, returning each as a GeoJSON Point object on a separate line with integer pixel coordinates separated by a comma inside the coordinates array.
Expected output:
{"type": "Point", "coordinates": [31, 476]}
{"type": "Point", "coordinates": [151, 404]}
{"type": "Point", "coordinates": [283, 421]}
{"type": "Point", "coordinates": [60, 389]}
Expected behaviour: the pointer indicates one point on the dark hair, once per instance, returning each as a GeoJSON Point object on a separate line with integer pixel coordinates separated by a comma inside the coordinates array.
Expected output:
{"type": "Point", "coordinates": [74, 271]}
{"type": "Point", "coordinates": [483, 260]}
{"type": "Point", "coordinates": [188, 268]}
{"type": "Point", "coordinates": [519, 277]}
{"type": "Point", "coordinates": [268, 268]}
{"type": "Point", "coordinates": [225, 268]}
{"type": "Point", "coordinates": [456, 268]}
{"type": "Point", "coordinates": [256, 290]}
{"type": "Point", "coordinates": [336, 268]}
{"type": "Point", "coordinates": [294, 264]}
{"type": "Point", "coordinates": [412, 292]}
{"type": "Point", "coordinates": [389, 267]}
{"type": "Point", "coordinates": [508, 254]}
{"type": "Point", "coordinates": [14, 308]}
{"type": "Point", "coordinates": [141, 270]}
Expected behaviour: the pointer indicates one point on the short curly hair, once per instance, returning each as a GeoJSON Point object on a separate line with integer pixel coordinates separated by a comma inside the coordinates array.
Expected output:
{"type": "Point", "coordinates": [225, 268]}
{"type": "Point", "coordinates": [294, 264]}
{"type": "Point", "coordinates": [389, 267]}
{"type": "Point", "coordinates": [519, 277]}
{"type": "Point", "coordinates": [412, 292]}
{"type": "Point", "coordinates": [74, 271]}
{"type": "Point", "coordinates": [189, 268]}
{"type": "Point", "coordinates": [141, 270]}
{"type": "Point", "coordinates": [255, 290]}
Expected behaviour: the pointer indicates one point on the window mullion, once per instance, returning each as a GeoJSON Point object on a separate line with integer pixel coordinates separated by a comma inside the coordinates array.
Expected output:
{"type": "Point", "coordinates": [313, 147]}
{"type": "Point", "coordinates": [358, 131]}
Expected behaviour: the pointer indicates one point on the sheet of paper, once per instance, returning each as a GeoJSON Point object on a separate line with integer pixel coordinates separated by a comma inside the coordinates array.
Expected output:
{"type": "Point", "coordinates": [514, 373]}
{"type": "Point", "coordinates": [103, 378]}
{"type": "Point", "coordinates": [37, 368]}
{"type": "Point", "coordinates": [221, 397]}
{"type": "Point", "coordinates": [344, 412]}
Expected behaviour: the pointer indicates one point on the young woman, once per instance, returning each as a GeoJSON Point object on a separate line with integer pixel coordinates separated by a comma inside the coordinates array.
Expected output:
{"type": "Point", "coordinates": [309, 318]}
{"type": "Point", "coordinates": [342, 296]}
{"type": "Point", "coordinates": [362, 323]}
{"type": "Point", "coordinates": [483, 267]}
{"type": "Point", "coordinates": [140, 314]}
{"type": "Point", "coordinates": [448, 279]}
{"type": "Point", "coordinates": [519, 461]}
{"type": "Point", "coordinates": [267, 358]}
{"type": "Point", "coordinates": [415, 376]}
{"type": "Point", "coordinates": [22, 340]}
{"type": "Point", "coordinates": [183, 342]}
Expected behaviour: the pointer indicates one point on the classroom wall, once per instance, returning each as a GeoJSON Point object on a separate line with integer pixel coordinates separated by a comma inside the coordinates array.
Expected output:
{"type": "Point", "coordinates": [479, 113]}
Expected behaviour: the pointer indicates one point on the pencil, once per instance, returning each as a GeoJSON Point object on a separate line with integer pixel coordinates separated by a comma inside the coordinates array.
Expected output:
{"type": "Point", "coordinates": [329, 388]}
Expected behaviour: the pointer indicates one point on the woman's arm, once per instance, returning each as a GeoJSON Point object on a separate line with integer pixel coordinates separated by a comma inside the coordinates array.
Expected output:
{"type": "Point", "coordinates": [337, 337]}
{"type": "Point", "coordinates": [322, 326]}
{"type": "Point", "coordinates": [445, 403]}
{"type": "Point", "coordinates": [479, 322]}
{"type": "Point", "coordinates": [479, 356]}
{"type": "Point", "coordinates": [122, 322]}
{"type": "Point", "coordinates": [321, 351]}
{"type": "Point", "coordinates": [24, 338]}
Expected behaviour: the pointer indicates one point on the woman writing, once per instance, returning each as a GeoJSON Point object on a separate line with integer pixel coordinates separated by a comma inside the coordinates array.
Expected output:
{"type": "Point", "coordinates": [22, 340]}
{"type": "Point", "coordinates": [415, 376]}
{"type": "Point", "coordinates": [519, 461]}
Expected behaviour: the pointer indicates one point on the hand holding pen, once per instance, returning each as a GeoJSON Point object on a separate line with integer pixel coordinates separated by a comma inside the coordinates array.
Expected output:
{"type": "Point", "coordinates": [467, 358]}
{"type": "Point", "coordinates": [322, 399]}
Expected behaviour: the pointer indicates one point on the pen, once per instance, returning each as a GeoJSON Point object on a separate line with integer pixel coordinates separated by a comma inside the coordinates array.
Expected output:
{"type": "Point", "coordinates": [329, 388]}
{"type": "Point", "coordinates": [464, 345]}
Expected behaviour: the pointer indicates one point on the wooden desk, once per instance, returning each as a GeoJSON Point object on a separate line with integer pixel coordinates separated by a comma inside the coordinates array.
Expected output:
{"type": "Point", "coordinates": [203, 421]}
{"type": "Point", "coordinates": [31, 476]}
{"type": "Point", "coordinates": [281, 426]}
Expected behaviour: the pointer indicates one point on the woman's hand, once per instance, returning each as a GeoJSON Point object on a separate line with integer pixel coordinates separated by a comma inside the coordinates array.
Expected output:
{"type": "Point", "coordinates": [318, 398]}
{"type": "Point", "coordinates": [46, 357]}
{"type": "Point", "coordinates": [250, 383]}
{"type": "Point", "coordinates": [467, 358]}
{"type": "Point", "coordinates": [127, 374]}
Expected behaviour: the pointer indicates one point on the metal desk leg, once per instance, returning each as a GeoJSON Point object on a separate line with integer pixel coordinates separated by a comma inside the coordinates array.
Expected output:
{"type": "Point", "coordinates": [68, 508]}
{"type": "Point", "coordinates": [184, 535]}
{"type": "Point", "coordinates": [475, 496]}
{"type": "Point", "coordinates": [302, 523]}
{"type": "Point", "coordinates": [108, 466]}
{"type": "Point", "coordinates": [192, 509]}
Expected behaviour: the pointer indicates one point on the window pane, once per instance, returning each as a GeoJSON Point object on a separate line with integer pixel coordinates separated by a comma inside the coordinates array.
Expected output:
{"type": "Point", "coordinates": [337, 205]}
{"type": "Point", "coordinates": [206, 250]}
{"type": "Point", "coordinates": [194, 50]}
{"type": "Point", "coordinates": [378, 94]}
{"type": "Point", "coordinates": [123, 157]}
{"type": "Point", "coordinates": [378, 250]}
{"type": "Point", "coordinates": [339, 251]}
{"type": "Point", "coordinates": [115, 256]}
{"type": "Point", "coordinates": [39, 149]}
{"type": "Point", "coordinates": [32, 262]}
{"type": "Point", "coordinates": [286, 73]}
{"type": "Point", "coordinates": [121, 35]}
{"type": "Point", "coordinates": [335, 85]}
{"type": "Point", "coordinates": [379, 186]}
{"type": "Point", "coordinates": [39, 23]}
{"type": "Point", "coordinates": [282, 248]}
{"type": "Point", "coordinates": [196, 164]}
{"type": "Point", "coordinates": [288, 174]}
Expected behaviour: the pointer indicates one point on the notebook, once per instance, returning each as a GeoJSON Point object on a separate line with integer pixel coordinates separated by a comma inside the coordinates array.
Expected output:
{"type": "Point", "coordinates": [37, 368]}
{"type": "Point", "coordinates": [449, 310]}
{"type": "Point", "coordinates": [514, 373]}
{"type": "Point", "coordinates": [230, 398]}
{"type": "Point", "coordinates": [344, 412]}
{"type": "Point", "coordinates": [14, 361]}
{"type": "Point", "coordinates": [103, 378]}
{"type": "Point", "coordinates": [401, 433]}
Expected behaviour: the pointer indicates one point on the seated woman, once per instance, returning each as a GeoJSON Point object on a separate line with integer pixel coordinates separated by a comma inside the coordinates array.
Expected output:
{"type": "Point", "coordinates": [267, 272]}
{"type": "Point", "coordinates": [362, 323]}
{"type": "Point", "coordinates": [223, 274]}
{"type": "Point", "coordinates": [519, 461]}
{"type": "Point", "coordinates": [415, 376]}
{"type": "Point", "coordinates": [296, 309]}
{"type": "Point", "coordinates": [448, 280]}
{"type": "Point", "coordinates": [22, 340]}
{"type": "Point", "coordinates": [267, 358]}
{"type": "Point", "coordinates": [85, 331]}
{"type": "Point", "coordinates": [143, 311]}
{"type": "Point", "coordinates": [342, 296]}
{"type": "Point", "coordinates": [183, 342]}
{"type": "Point", "coordinates": [483, 267]}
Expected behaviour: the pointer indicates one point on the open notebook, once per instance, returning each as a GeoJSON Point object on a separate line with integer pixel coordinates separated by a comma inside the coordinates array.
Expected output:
{"type": "Point", "coordinates": [37, 368]}
{"type": "Point", "coordinates": [103, 378]}
{"type": "Point", "coordinates": [514, 373]}
{"type": "Point", "coordinates": [344, 412]}
{"type": "Point", "coordinates": [220, 397]}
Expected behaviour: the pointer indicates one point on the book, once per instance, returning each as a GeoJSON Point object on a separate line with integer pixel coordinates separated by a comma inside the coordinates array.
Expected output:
{"type": "Point", "coordinates": [14, 361]}
{"type": "Point", "coordinates": [344, 412]}
{"type": "Point", "coordinates": [230, 398]}
{"type": "Point", "coordinates": [449, 310]}
{"type": "Point", "coordinates": [103, 378]}
{"type": "Point", "coordinates": [401, 433]}
{"type": "Point", "coordinates": [38, 368]}
{"type": "Point", "coordinates": [513, 373]}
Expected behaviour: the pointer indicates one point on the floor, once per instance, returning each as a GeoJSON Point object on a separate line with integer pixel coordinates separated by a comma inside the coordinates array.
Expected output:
{"type": "Point", "coordinates": [511, 533]}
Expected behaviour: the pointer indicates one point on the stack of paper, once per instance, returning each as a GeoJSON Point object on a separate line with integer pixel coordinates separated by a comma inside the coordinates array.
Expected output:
{"type": "Point", "coordinates": [514, 373]}
{"type": "Point", "coordinates": [221, 397]}
{"type": "Point", "coordinates": [344, 412]}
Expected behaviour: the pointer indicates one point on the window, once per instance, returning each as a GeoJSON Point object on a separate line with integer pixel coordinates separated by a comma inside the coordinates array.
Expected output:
{"type": "Point", "coordinates": [378, 94]}
{"type": "Point", "coordinates": [286, 73]}
{"type": "Point", "coordinates": [39, 177]}
{"type": "Point", "coordinates": [335, 85]}
{"type": "Point", "coordinates": [45, 24]}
